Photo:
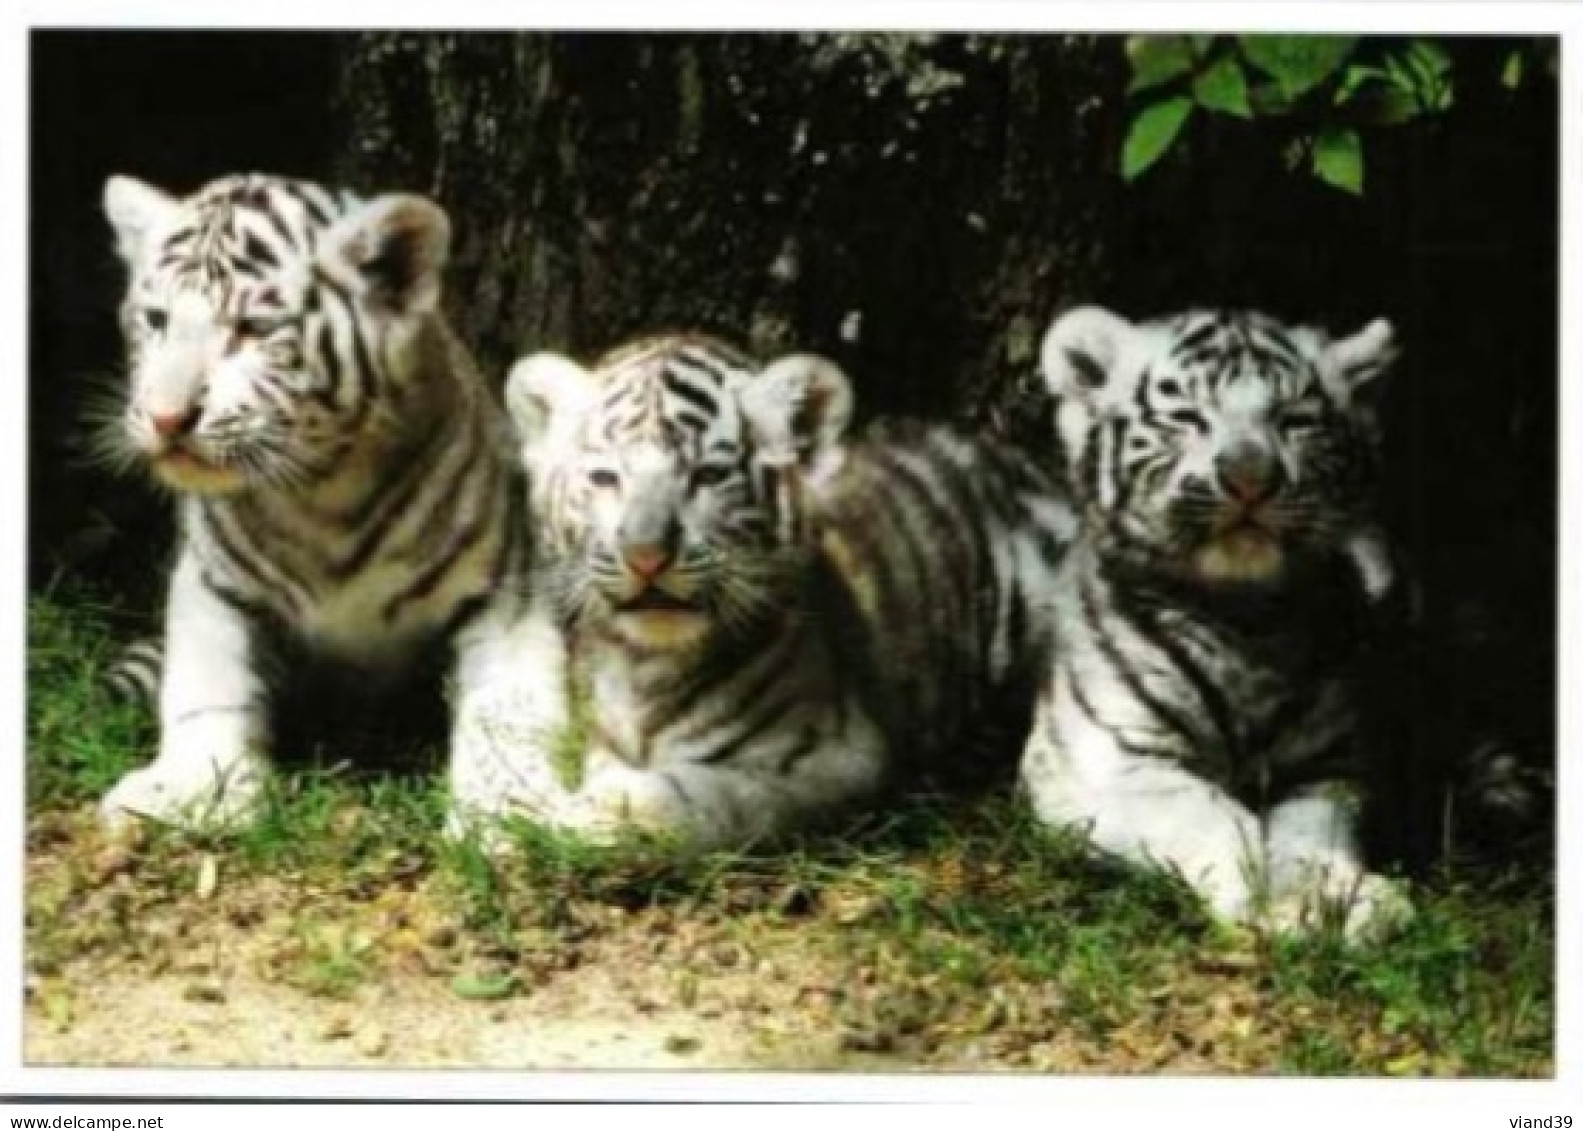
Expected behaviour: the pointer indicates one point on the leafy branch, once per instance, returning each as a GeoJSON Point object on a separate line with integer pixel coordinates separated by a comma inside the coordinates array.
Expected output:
{"type": "Point", "coordinates": [1327, 88]}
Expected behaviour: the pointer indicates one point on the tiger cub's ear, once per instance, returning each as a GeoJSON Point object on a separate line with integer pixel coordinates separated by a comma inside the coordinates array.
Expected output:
{"type": "Point", "coordinates": [545, 394]}
{"type": "Point", "coordinates": [395, 247]}
{"type": "Point", "coordinates": [1353, 363]}
{"type": "Point", "coordinates": [799, 408]}
{"type": "Point", "coordinates": [136, 210]}
{"type": "Point", "coordinates": [1081, 349]}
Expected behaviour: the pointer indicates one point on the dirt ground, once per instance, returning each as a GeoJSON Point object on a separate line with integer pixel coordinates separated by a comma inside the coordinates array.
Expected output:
{"type": "Point", "coordinates": [134, 963]}
{"type": "Point", "coordinates": [223, 983]}
{"type": "Point", "coordinates": [129, 1021]}
{"type": "Point", "coordinates": [183, 957]}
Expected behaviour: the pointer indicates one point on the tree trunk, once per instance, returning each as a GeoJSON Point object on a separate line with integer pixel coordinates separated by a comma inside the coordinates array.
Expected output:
{"type": "Point", "coordinates": [913, 206]}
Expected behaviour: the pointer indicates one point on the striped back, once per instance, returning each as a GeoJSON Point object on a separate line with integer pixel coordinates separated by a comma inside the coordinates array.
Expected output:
{"type": "Point", "coordinates": [948, 547]}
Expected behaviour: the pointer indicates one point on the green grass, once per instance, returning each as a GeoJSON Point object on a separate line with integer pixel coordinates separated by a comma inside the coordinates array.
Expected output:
{"type": "Point", "coordinates": [80, 740]}
{"type": "Point", "coordinates": [946, 926]}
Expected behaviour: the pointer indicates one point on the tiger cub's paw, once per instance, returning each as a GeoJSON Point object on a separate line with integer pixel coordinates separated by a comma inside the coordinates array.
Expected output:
{"type": "Point", "coordinates": [607, 809]}
{"type": "Point", "coordinates": [1366, 908]}
{"type": "Point", "coordinates": [197, 795]}
{"type": "Point", "coordinates": [618, 803]}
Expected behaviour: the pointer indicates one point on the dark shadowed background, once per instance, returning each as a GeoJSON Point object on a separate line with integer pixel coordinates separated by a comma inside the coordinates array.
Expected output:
{"type": "Point", "coordinates": [917, 207]}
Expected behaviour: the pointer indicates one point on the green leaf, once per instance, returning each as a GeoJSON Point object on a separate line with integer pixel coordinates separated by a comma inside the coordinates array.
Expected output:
{"type": "Point", "coordinates": [1512, 72]}
{"type": "Point", "coordinates": [1157, 59]}
{"type": "Point", "coordinates": [1338, 159]}
{"type": "Point", "coordinates": [1268, 99]}
{"type": "Point", "coordinates": [1357, 77]}
{"type": "Point", "coordinates": [1429, 58]}
{"type": "Point", "coordinates": [1151, 134]}
{"type": "Point", "coordinates": [1424, 69]}
{"type": "Point", "coordinates": [1223, 87]}
{"type": "Point", "coordinates": [1298, 62]}
{"type": "Point", "coordinates": [1400, 74]}
{"type": "Point", "coordinates": [1433, 64]}
{"type": "Point", "coordinates": [1385, 106]}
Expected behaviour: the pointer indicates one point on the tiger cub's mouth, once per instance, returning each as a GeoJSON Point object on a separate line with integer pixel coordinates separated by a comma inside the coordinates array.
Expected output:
{"type": "Point", "coordinates": [656, 600]}
{"type": "Point", "coordinates": [1247, 552]}
{"type": "Point", "coordinates": [185, 470]}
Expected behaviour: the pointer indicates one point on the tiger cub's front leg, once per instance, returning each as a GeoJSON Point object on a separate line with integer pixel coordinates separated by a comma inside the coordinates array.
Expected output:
{"type": "Point", "coordinates": [1316, 870]}
{"type": "Point", "coordinates": [787, 779]}
{"type": "Point", "coordinates": [511, 718]}
{"type": "Point", "coordinates": [1144, 808]}
{"type": "Point", "coordinates": [526, 745]}
{"type": "Point", "coordinates": [1312, 814]}
{"type": "Point", "coordinates": [1297, 868]}
{"type": "Point", "coordinates": [212, 767]}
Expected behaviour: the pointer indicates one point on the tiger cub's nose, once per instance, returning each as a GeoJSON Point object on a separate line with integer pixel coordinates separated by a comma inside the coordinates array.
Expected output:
{"type": "Point", "coordinates": [172, 425]}
{"type": "Point", "coordinates": [1248, 474]}
{"type": "Point", "coordinates": [647, 559]}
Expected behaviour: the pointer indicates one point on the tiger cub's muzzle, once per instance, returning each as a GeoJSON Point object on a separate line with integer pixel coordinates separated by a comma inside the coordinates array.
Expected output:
{"type": "Point", "coordinates": [1242, 496]}
{"type": "Point", "coordinates": [652, 574]}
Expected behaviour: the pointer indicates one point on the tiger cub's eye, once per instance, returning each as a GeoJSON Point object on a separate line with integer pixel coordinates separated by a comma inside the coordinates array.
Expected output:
{"type": "Point", "coordinates": [1299, 420]}
{"type": "Point", "coordinates": [155, 319]}
{"type": "Point", "coordinates": [710, 475]}
{"type": "Point", "coordinates": [257, 327]}
{"type": "Point", "coordinates": [604, 478]}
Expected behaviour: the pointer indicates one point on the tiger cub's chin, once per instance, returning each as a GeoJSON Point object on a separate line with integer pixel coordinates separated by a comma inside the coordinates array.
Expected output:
{"type": "Point", "coordinates": [190, 475]}
{"type": "Point", "coordinates": [662, 628]}
{"type": "Point", "coordinates": [1242, 557]}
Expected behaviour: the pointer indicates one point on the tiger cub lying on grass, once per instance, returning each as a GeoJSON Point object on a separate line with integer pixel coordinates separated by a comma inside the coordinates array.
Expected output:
{"type": "Point", "coordinates": [1202, 710]}
{"type": "Point", "coordinates": [343, 476]}
{"type": "Point", "coordinates": [755, 619]}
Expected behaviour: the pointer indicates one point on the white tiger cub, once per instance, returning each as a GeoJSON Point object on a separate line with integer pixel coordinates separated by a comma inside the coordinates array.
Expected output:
{"type": "Point", "coordinates": [760, 620]}
{"type": "Point", "coordinates": [344, 477]}
{"type": "Point", "coordinates": [1201, 712]}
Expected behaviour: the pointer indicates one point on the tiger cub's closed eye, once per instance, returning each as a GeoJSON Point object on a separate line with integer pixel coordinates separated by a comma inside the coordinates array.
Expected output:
{"type": "Point", "coordinates": [257, 327]}
{"type": "Point", "coordinates": [1299, 420]}
{"type": "Point", "coordinates": [604, 478]}
{"type": "Point", "coordinates": [710, 475]}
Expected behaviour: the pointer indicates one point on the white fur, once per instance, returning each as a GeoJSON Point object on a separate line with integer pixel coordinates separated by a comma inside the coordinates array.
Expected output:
{"type": "Point", "coordinates": [138, 212]}
{"type": "Point", "coordinates": [1150, 810]}
{"type": "Point", "coordinates": [545, 394]}
{"type": "Point", "coordinates": [1291, 867]}
{"type": "Point", "coordinates": [512, 719]}
{"type": "Point", "coordinates": [1370, 554]}
{"type": "Point", "coordinates": [801, 407]}
{"type": "Point", "coordinates": [513, 712]}
{"type": "Point", "coordinates": [211, 767]}
{"type": "Point", "coordinates": [509, 708]}
{"type": "Point", "coordinates": [1295, 869]}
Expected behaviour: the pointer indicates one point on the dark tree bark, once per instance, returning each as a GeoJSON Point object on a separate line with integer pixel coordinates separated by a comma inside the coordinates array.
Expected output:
{"type": "Point", "coordinates": [914, 206]}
